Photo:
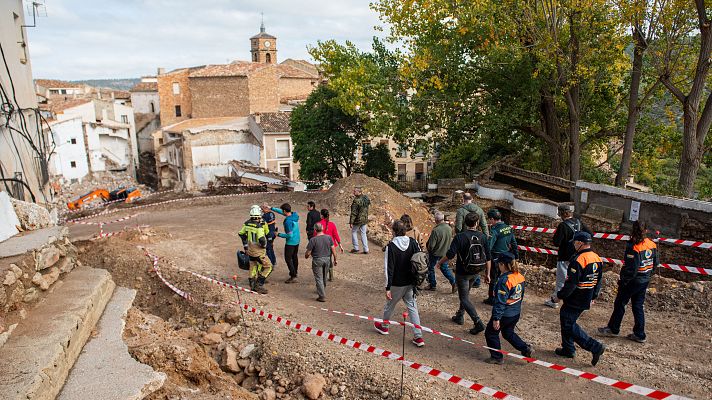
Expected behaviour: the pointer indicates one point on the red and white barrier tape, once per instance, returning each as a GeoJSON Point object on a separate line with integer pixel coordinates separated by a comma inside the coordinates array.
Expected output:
{"type": "Point", "coordinates": [616, 236]}
{"type": "Point", "coordinates": [343, 341]}
{"type": "Point", "coordinates": [221, 283]}
{"type": "Point", "coordinates": [675, 267]}
{"type": "Point", "coordinates": [103, 235]}
{"type": "Point", "coordinates": [641, 390]}
{"type": "Point", "coordinates": [105, 222]}
{"type": "Point", "coordinates": [171, 201]}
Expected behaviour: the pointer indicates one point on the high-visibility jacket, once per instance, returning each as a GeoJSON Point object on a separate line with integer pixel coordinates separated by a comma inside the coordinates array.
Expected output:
{"type": "Point", "coordinates": [509, 293]}
{"type": "Point", "coordinates": [583, 280]}
{"type": "Point", "coordinates": [639, 261]}
{"type": "Point", "coordinates": [254, 234]}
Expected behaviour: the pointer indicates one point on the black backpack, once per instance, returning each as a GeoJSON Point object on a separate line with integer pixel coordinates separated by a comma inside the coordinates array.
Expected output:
{"type": "Point", "coordinates": [476, 256]}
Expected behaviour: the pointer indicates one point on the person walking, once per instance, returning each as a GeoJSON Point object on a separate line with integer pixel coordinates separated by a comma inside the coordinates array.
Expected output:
{"type": "Point", "coordinates": [313, 217]}
{"type": "Point", "coordinates": [411, 229]}
{"type": "Point", "coordinates": [501, 240]}
{"type": "Point", "coordinates": [641, 257]}
{"type": "Point", "coordinates": [254, 239]}
{"type": "Point", "coordinates": [330, 229]}
{"type": "Point", "coordinates": [437, 245]}
{"type": "Point", "coordinates": [271, 221]}
{"type": "Point", "coordinates": [467, 207]}
{"type": "Point", "coordinates": [400, 280]}
{"type": "Point", "coordinates": [358, 221]}
{"type": "Point", "coordinates": [321, 248]}
{"type": "Point", "coordinates": [291, 234]}
{"type": "Point", "coordinates": [473, 258]}
{"type": "Point", "coordinates": [582, 286]}
{"type": "Point", "coordinates": [563, 239]}
{"type": "Point", "coordinates": [506, 310]}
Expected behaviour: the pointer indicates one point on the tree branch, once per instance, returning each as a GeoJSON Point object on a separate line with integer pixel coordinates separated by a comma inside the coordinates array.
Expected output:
{"type": "Point", "coordinates": [703, 125]}
{"type": "Point", "coordinates": [665, 80]}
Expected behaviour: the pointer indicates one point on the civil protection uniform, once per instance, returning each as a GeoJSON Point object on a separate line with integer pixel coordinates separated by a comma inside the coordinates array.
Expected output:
{"type": "Point", "coordinates": [639, 261]}
{"type": "Point", "coordinates": [509, 294]}
{"type": "Point", "coordinates": [254, 237]}
{"type": "Point", "coordinates": [501, 240]}
{"type": "Point", "coordinates": [583, 284]}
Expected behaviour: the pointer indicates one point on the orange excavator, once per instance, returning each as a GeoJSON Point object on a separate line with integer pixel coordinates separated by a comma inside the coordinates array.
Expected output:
{"type": "Point", "coordinates": [127, 194]}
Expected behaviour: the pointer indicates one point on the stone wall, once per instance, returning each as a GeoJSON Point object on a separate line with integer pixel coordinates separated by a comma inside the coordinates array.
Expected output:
{"type": "Point", "coordinates": [168, 100]}
{"type": "Point", "coordinates": [227, 96]}
{"type": "Point", "coordinates": [295, 88]}
{"type": "Point", "coordinates": [264, 93]}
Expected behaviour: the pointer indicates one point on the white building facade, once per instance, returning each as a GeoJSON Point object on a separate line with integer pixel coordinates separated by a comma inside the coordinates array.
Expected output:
{"type": "Point", "coordinates": [69, 159]}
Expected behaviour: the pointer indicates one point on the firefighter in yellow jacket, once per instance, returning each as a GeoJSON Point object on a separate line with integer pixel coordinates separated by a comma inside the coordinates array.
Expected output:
{"type": "Point", "coordinates": [254, 240]}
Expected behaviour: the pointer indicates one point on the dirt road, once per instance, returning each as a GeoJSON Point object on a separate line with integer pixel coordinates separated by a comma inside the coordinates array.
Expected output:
{"type": "Point", "coordinates": [676, 357]}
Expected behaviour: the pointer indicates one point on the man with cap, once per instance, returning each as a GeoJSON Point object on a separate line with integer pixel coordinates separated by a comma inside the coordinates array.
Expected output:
{"type": "Point", "coordinates": [254, 239]}
{"type": "Point", "coordinates": [563, 239]}
{"type": "Point", "coordinates": [582, 286]}
{"type": "Point", "coordinates": [509, 294]}
{"type": "Point", "coordinates": [501, 240]}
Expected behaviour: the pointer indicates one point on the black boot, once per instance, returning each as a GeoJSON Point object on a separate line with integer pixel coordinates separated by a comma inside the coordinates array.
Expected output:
{"type": "Point", "coordinates": [479, 327]}
{"type": "Point", "coordinates": [458, 319]}
{"type": "Point", "coordinates": [260, 287]}
{"type": "Point", "coordinates": [252, 282]}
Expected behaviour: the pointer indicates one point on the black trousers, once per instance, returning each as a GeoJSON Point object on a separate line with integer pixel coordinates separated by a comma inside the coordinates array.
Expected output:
{"type": "Point", "coordinates": [291, 257]}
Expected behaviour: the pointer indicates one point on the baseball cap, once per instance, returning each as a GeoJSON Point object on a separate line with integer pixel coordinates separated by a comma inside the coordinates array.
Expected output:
{"type": "Point", "coordinates": [583, 237]}
{"type": "Point", "coordinates": [506, 257]}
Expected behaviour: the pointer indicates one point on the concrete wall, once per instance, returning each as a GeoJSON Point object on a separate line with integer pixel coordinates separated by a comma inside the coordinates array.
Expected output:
{"type": "Point", "coordinates": [86, 111]}
{"type": "Point", "coordinates": [122, 110]}
{"type": "Point", "coordinates": [141, 102]}
{"type": "Point", "coordinates": [145, 136]}
{"type": "Point", "coordinates": [519, 203]}
{"type": "Point", "coordinates": [67, 152]}
{"type": "Point", "coordinates": [17, 53]}
{"type": "Point", "coordinates": [220, 97]}
{"type": "Point", "coordinates": [682, 218]}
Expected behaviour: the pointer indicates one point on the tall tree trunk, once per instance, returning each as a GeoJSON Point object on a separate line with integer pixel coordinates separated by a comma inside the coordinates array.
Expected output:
{"type": "Point", "coordinates": [633, 109]}
{"type": "Point", "coordinates": [573, 101]}
{"type": "Point", "coordinates": [550, 125]}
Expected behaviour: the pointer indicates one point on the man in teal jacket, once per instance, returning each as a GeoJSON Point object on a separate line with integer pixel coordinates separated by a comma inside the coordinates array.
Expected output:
{"type": "Point", "coordinates": [291, 233]}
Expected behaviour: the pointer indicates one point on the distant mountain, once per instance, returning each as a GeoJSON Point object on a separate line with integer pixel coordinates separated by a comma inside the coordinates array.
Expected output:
{"type": "Point", "coordinates": [119, 84]}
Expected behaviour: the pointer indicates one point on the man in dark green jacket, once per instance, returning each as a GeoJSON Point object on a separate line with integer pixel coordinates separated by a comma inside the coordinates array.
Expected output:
{"type": "Point", "coordinates": [501, 240]}
{"type": "Point", "coordinates": [438, 244]}
{"type": "Point", "coordinates": [358, 222]}
{"type": "Point", "coordinates": [467, 207]}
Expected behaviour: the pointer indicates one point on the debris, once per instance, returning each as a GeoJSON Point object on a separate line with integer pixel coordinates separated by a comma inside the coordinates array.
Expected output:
{"type": "Point", "coordinates": [312, 385]}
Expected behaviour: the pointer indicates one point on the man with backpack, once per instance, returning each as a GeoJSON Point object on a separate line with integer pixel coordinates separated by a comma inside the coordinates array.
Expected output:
{"type": "Point", "coordinates": [501, 241]}
{"type": "Point", "coordinates": [473, 257]}
{"type": "Point", "coordinates": [468, 207]}
{"type": "Point", "coordinates": [563, 239]}
{"type": "Point", "coordinates": [400, 280]}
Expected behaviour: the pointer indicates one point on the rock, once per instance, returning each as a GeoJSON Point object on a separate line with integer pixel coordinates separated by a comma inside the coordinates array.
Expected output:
{"type": "Point", "coordinates": [334, 390]}
{"type": "Point", "coordinates": [31, 295]}
{"type": "Point", "coordinates": [232, 316]}
{"type": "Point", "coordinates": [220, 329]}
{"type": "Point", "coordinates": [232, 332]}
{"type": "Point", "coordinates": [46, 258]}
{"type": "Point", "coordinates": [269, 394]}
{"type": "Point", "coordinates": [31, 216]}
{"type": "Point", "coordinates": [696, 286]}
{"type": "Point", "coordinates": [243, 362]}
{"type": "Point", "coordinates": [229, 360]}
{"type": "Point", "coordinates": [249, 383]}
{"type": "Point", "coordinates": [3, 295]}
{"type": "Point", "coordinates": [211, 339]}
{"type": "Point", "coordinates": [247, 350]}
{"type": "Point", "coordinates": [16, 270]}
{"type": "Point", "coordinates": [312, 385]}
{"type": "Point", "coordinates": [23, 313]}
{"type": "Point", "coordinates": [239, 378]}
{"type": "Point", "coordinates": [45, 281]}
{"type": "Point", "coordinates": [10, 278]}
{"type": "Point", "coordinates": [281, 389]}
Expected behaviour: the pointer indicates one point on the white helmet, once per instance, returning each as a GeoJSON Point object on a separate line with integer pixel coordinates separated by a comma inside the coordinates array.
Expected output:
{"type": "Point", "coordinates": [255, 211]}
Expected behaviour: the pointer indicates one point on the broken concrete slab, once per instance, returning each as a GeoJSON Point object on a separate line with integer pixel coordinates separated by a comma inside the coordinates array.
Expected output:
{"type": "Point", "coordinates": [105, 369]}
{"type": "Point", "coordinates": [35, 360]}
{"type": "Point", "coordinates": [29, 241]}
{"type": "Point", "coordinates": [32, 216]}
{"type": "Point", "coordinates": [8, 218]}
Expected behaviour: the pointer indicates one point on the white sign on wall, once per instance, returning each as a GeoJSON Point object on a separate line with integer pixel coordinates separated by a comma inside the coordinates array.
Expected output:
{"type": "Point", "coordinates": [584, 196]}
{"type": "Point", "coordinates": [634, 210]}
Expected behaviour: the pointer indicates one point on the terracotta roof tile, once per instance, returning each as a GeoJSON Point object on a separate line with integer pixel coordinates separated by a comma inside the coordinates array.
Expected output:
{"type": "Point", "coordinates": [275, 122]}
{"type": "Point", "coordinates": [58, 106]}
{"type": "Point", "coordinates": [56, 84]}
{"type": "Point", "coordinates": [288, 71]}
{"type": "Point", "coordinates": [145, 87]}
{"type": "Point", "coordinates": [235, 68]}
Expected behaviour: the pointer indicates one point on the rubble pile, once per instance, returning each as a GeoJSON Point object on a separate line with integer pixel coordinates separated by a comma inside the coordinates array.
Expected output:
{"type": "Point", "coordinates": [33, 216]}
{"type": "Point", "coordinates": [99, 180]}
{"type": "Point", "coordinates": [386, 205]}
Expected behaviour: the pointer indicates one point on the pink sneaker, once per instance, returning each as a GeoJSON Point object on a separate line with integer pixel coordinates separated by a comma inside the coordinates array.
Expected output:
{"type": "Point", "coordinates": [380, 328]}
{"type": "Point", "coordinates": [419, 342]}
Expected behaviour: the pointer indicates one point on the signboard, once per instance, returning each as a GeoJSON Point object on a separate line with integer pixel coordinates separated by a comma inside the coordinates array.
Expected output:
{"type": "Point", "coordinates": [634, 210]}
{"type": "Point", "coordinates": [584, 196]}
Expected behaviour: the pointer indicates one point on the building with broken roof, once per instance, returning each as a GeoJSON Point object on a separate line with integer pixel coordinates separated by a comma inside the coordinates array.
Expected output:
{"type": "Point", "coordinates": [144, 96]}
{"type": "Point", "coordinates": [277, 153]}
{"type": "Point", "coordinates": [191, 153]}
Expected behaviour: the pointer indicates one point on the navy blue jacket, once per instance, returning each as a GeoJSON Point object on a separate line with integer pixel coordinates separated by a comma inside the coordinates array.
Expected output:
{"type": "Point", "coordinates": [509, 294]}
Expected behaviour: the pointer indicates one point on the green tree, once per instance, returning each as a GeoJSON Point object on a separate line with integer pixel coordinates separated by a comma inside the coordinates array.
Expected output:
{"type": "Point", "coordinates": [378, 163]}
{"type": "Point", "coordinates": [325, 137]}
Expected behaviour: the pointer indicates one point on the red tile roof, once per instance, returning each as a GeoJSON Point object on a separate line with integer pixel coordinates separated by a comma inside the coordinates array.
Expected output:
{"type": "Point", "coordinates": [235, 68]}
{"type": "Point", "coordinates": [58, 106]}
{"type": "Point", "coordinates": [56, 84]}
{"type": "Point", "coordinates": [287, 71]}
{"type": "Point", "coordinates": [275, 122]}
{"type": "Point", "coordinates": [145, 87]}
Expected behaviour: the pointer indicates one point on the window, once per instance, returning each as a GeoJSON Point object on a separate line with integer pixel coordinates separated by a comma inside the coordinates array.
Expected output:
{"type": "Point", "coordinates": [402, 151]}
{"type": "Point", "coordinates": [365, 147]}
{"type": "Point", "coordinates": [401, 172]}
{"type": "Point", "coordinates": [178, 114]}
{"type": "Point", "coordinates": [73, 140]}
{"type": "Point", "coordinates": [384, 142]}
{"type": "Point", "coordinates": [176, 88]}
{"type": "Point", "coordinates": [282, 148]}
{"type": "Point", "coordinates": [73, 164]}
{"type": "Point", "coordinates": [53, 91]}
{"type": "Point", "coordinates": [419, 171]}
{"type": "Point", "coordinates": [254, 57]}
{"type": "Point", "coordinates": [420, 145]}
{"type": "Point", "coordinates": [63, 91]}
{"type": "Point", "coordinates": [268, 57]}
{"type": "Point", "coordinates": [125, 119]}
{"type": "Point", "coordinates": [285, 170]}
{"type": "Point", "coordinates": [153, 107]}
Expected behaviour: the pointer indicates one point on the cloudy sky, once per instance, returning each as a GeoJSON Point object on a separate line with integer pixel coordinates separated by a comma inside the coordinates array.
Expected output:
{"type": "Point", "coordinates": [130, 38]}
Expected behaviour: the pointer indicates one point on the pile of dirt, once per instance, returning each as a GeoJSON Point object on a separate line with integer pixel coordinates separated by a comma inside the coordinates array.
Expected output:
{"type": "Point", "coordinates": [387, 205]}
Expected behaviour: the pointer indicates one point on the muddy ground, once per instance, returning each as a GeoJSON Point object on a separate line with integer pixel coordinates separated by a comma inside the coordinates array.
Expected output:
{"type": "Point", "coordinates": [200, 236]}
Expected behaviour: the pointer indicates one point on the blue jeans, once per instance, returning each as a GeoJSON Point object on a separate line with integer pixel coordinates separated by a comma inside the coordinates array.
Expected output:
{"type": "Point", "coordinates": [572, 333]}
{"type": "Point", "coordinates": [270, 253]}
{"type": "Point", "coordinates": [632, 291]}
{"type": "Point", "coordinates": [444, 268]}
{"type": "Point", "coordinates": [506, 326]}
{"type": "Point", "coordinates": [359, 231]}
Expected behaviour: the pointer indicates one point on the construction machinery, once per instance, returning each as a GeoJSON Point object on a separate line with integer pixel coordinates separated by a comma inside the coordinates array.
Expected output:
{"type": "Point", "coordinates": [128, 195]}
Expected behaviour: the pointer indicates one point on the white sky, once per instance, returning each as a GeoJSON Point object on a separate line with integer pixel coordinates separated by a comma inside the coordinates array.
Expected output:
{"type": "Point", "coordinates": [94, 39]}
